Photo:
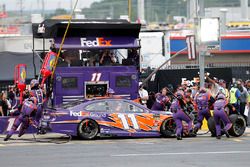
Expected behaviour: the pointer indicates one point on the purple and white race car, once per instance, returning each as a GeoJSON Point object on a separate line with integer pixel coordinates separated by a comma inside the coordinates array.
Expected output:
{"type": "Point", "coordinates": [109, 117]}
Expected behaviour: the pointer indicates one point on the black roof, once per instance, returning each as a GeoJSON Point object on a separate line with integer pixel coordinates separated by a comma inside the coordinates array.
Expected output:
{"type": "Point", "coordinates": [84, 28]}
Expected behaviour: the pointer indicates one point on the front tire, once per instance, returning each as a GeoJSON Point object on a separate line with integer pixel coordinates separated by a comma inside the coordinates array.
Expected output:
{"type": "Point", "coordinates": [88, 129]}
{"type": "Point", "coordinates": [168, 127]}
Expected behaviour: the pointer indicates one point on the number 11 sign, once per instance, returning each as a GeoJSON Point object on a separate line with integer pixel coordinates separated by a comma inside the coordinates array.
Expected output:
{"type": "Point", "coordinates": [191, 47]}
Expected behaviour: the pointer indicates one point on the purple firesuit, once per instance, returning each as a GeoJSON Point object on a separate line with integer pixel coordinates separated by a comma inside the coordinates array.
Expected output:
{"type": "Point", "coordinates": [26, 112]}
{"type": "Point", "coordinates": [220, 114]}
{"type": "Point", "coordinates": [179, 115]}
{"type": "Point", "coordinates": [38, 94]}
{"type": "Point", "coordinates": [160, 102]}
{"type": "Point", "coordinates": [202, 104]}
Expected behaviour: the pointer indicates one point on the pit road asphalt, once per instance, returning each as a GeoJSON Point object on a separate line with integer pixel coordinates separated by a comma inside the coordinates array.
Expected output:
{"type": "Point", "coordinates": [54, 150]}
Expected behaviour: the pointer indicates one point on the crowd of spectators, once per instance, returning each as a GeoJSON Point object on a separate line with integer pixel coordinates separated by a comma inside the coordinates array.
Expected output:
{"type": "Point", "coordinates": [9, 101]}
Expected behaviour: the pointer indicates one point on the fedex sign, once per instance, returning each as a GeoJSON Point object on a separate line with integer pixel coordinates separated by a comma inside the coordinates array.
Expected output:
{"type": "Point", "coordinates": [97, 42]}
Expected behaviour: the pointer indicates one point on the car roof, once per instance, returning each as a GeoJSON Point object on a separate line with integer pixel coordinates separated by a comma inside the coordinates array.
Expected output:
{"type": "Point", "coordinates": [107, 99]}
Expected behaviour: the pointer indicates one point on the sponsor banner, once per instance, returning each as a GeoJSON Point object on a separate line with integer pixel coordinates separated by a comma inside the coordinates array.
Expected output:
{"type": "Point", "coordinates": [97, 42]}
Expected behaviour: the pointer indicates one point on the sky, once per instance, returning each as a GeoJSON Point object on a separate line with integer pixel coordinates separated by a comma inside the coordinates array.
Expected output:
{"type": "Point", "coordinates": [49, 4]}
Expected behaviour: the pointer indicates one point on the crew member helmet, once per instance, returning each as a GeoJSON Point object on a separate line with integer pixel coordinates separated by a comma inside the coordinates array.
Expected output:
{"type": "Point", "coordinates": [33, 100]}
{"type": "Point", "coordinates": [179, 94]}
{"type": "Point", "coordinates": [221, 96]}
{"type": "Point", "coordinates": [203, 90]}
{"type": "Point", "coordinates": [110, 91]}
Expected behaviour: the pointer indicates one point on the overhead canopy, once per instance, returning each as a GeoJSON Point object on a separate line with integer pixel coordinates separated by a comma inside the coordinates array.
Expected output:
{"type": "Point", "coordinates": [87, 28]}
{"type": "Point", "coordinates": [90, 34]}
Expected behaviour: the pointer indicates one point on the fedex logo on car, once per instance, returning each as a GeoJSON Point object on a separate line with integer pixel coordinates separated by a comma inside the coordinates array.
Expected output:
{"type": "Point", "coordinates": [78, 113]}
{"type": "Point", "coordinates": [97, 42]}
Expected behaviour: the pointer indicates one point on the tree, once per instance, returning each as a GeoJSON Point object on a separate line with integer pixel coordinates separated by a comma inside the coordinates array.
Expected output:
{"type": "Point", "coordinates": [155, 10]}
{"type": "Point", "coordinates": [60, 11]}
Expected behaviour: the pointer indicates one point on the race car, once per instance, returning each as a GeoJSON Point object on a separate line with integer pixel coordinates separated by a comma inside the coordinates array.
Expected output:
{"type": "Point", "coordinates": [109, 117]}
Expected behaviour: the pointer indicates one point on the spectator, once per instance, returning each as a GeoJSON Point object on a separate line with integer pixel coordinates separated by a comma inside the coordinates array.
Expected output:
{"type": "Point", "coordinates": [234, 97]}
{"type": "Point", "coordinates": [70, 58]}
{"type": "Point", "coordinates": [194, 89]}
{"type": "Point", "coordinates": [222, 83]}
{"type": "Point", "coordinates": [216, 88]}
{"type": "Point", "coordinates": [143, 95]}
{"type": "Point", "coordinates": [107, 58]}
{"type": "Point", "coordinates": [133, 57]}
{"type": "Point", "coordinates": [4, 104]}
{"type": "Point", "coordinates": [151, 99]}
{"type": "Point", "coordinates": [243, 98]}
{"type": "Point", "coordinates": [248, 85]}
{"type": "Point", "coordinates": [248, 89]}
{"type": "Point", "coordinates": [11, 94]}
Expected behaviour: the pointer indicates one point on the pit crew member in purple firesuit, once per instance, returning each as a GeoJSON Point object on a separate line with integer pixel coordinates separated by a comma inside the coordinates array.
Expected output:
{"type": "Point", "coordinates": [202, 101]}
{"type": "Point", "coordinates": [220, 114]}
{"type": "Point", "coordinates": [161, 100]}
{"type": "Point", "coordinates": [38, 94]}
{"type": "Point", "coordinates": [28, 110]}
{"type": "Point", "coordinates": [178, 108]}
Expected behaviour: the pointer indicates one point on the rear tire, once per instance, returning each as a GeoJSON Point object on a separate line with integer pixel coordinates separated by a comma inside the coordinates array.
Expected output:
{"type": "Point", "coordinates": [168, 127]}
{"type": "Point", "coordinates": [239, 125]}
{"type": "Point", "coordinates": [88, 129]}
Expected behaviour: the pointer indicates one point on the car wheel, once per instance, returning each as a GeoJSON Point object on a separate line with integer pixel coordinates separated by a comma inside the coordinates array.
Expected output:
{"type": "Point", "coordinates": [168, 127]}
{"type": "Point", "coordinates": [211, 126]}
{"type": "Point", "coordinates": [239, 125]}
{"type": "Point", "coordinates": [87, 129]}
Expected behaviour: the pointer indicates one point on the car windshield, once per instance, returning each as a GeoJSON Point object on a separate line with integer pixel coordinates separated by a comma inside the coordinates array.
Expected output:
{"type": "Point", "coordinates": [72, 104]}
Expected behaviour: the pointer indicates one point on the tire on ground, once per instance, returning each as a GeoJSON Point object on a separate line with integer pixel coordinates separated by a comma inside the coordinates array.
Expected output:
{"type": "Point", "coordinates": [239, 125]}
{"type": "Point", "coordinates": [211, 126]}
{"type": "Point", "coordinates": [168, 127]}
{"type": "Point", "coordinates": [88, 129]}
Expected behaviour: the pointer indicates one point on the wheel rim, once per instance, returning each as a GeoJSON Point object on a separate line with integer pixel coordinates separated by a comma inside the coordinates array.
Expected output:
{"type": "Point", "coordinates": [239, 127]}
{"type": "Point", "coordinates": [169, 126]}
{"type": "Point", "coordinates": [88, 128]}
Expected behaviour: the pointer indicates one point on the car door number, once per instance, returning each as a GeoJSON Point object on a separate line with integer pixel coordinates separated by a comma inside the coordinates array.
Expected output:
{"type": "Point", "coordinates": [11, 122]}
{"type": "Point", "coordinates": [124, 120]}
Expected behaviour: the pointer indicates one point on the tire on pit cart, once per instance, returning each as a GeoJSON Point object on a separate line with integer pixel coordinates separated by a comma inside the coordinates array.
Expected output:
{"type": "Point", "coordinates": [211, 126]}
{"type": "Point", "coordinates": [88, 129]}
{"type": "Point", "coordinates": [168, 127]}
{"type": "Point", "coordinates": [239, 125]}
